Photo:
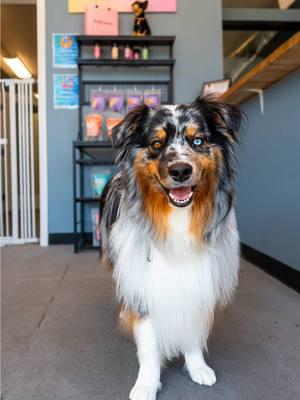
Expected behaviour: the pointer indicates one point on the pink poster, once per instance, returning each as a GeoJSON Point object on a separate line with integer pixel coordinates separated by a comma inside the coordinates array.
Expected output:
{"type": "Point", "coordinates": [169, 6]}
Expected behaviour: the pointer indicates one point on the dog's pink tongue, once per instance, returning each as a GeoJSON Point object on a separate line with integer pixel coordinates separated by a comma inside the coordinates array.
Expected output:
{"type": "Point", "coordinates": [181, 193]}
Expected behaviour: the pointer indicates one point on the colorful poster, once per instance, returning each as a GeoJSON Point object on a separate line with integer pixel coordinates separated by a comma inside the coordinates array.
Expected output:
{"type": "Point", "coordinates": [66, 91]}
{"type": "Point", "coordinates": [65, 50]}
{"type": "Point", "coordinates": [169, 6]}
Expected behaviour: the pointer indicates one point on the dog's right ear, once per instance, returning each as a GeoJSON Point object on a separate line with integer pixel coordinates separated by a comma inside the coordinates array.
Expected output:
{"type": "Point", "coordinates": [128, 132]}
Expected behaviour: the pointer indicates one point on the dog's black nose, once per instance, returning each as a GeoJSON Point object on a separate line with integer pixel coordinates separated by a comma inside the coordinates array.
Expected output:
{"type": "Point", "coordinates": [180, 172]}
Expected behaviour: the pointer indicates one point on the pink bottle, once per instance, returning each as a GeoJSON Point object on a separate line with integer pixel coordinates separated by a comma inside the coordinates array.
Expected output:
{"type": "Point", "coordinates": [127, 52]}
{"type": "Point", "coordinates": [97, 51]}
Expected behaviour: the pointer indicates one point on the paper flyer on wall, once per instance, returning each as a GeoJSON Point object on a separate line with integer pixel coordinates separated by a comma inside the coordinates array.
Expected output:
{"type": "Point", "coordinates": [65, 50]}
{"type": "Point", "coordinates": [66, 91]}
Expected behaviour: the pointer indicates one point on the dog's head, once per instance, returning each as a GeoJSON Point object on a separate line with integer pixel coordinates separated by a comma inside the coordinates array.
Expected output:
{"type": "Point", "coordinates": [180, 155]}
{"type": "Point", "coordinates": [138, 7]}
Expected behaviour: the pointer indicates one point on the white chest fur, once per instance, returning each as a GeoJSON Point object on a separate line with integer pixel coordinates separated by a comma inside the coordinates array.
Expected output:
{"type": "Point", "coordinates": [176, 282]}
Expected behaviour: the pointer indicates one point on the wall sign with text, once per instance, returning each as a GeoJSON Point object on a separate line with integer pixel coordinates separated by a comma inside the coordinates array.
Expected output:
{"type": "Point", "coordinates": [168, 6]}
{"type": "Point", "coordinates": [65, 50]}
{"type": "Point", "coordinates": [66, 91]}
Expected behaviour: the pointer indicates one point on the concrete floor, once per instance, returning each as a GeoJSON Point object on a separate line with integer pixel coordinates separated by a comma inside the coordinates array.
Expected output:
{"type": "Point", "coordinates": [60, 338]}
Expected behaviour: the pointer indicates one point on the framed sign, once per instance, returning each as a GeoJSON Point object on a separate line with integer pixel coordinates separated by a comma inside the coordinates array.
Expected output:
{"type": "Point", "coordinates": [168, 6]}
{"type": "Point", "coordinates": [217, 87]}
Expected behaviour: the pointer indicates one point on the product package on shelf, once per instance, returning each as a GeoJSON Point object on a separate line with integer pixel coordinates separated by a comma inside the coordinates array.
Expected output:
{"type": "Point", "coordinates": [152, 98]}
{"type": "Point", "coordinates": [94, 126]}
{"type": "Point", "coordinates": [116, 102]}
{"type": "Point", "coordinates": [134, 98]}
{"type": "Point", "coordinates": [99, 178]}
{"type": "Point", "coordinates": [98, 100]}
{"type": "Point", "coordinates": [96, 226]}
{"type": "Point", "coordinates": [112, 119]}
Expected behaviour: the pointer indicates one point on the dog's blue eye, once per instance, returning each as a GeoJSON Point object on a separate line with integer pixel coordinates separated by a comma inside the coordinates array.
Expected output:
{"type": "Point", "coordinates": [197, 141]}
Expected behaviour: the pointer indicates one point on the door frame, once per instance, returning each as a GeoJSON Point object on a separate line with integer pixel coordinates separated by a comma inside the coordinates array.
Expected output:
{"type": "Point", "coordinates": [42, 110]}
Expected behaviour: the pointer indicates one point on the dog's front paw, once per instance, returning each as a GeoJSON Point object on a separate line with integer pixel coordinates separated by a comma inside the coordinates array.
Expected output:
{"type": "Point", "coordinates": [143, 392]}
{"type": "Point", "coordinates": [203, 375]}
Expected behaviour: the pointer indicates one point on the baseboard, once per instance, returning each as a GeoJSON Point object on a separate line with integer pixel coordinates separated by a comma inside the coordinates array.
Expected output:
{"type": "Point", "coordinates": [61, 238]}
{"type": "Point", "coordinates": [287, 275]}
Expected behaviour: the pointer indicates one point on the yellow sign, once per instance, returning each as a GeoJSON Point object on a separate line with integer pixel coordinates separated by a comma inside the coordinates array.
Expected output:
{"type": "Point", "coordinates": [78, 6]}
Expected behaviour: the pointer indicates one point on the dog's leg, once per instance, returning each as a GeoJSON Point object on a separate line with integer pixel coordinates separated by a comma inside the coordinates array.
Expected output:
{"type": "Point", "coordinates": [147, 383]}
{"type": "Point", "coordinates": [199, 371]}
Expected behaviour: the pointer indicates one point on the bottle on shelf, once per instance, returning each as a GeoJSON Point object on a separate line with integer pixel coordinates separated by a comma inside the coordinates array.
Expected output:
{"type": "Point", "coordinates": [97, 51]}
{"type": "Point", "coordinates": [127, 52]}
{"type": "Point", "coordinates": [115, 51]}
{"type": "Point", "coordinates": [145, 53]}
{"type": "Point", "coordinates": [136, 54]}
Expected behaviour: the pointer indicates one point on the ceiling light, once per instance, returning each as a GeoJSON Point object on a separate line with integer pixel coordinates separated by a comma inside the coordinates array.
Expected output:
{"type": "Point", "coordinates": [17, 66]}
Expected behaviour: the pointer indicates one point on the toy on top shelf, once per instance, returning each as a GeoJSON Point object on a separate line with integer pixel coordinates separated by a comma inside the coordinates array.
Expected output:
{"type": "Point", "coordinates": [141, 26]}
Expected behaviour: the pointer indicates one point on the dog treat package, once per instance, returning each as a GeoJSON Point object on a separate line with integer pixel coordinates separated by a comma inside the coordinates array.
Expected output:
{"type": "Point", "coordinates": [99, 178]}
{"type": "Point", "coordinates": [111, 121]}
{"type": "Point", "coordinates": [94, 124]}
{"type": "Point", "coordinates": [96, 226]}
{"type": "Point", "coordinates": [116, 102]}
{"type": "Point", "coordinates": [98, 100]}
{"type": "Point", "coordinates": [134, 99]}
{"type": "Point", "coordinates": [152, 98]}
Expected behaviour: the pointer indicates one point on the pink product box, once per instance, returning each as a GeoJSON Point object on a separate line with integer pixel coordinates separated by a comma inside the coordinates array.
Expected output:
{"type": "Point", "coordinates": [100, 21]}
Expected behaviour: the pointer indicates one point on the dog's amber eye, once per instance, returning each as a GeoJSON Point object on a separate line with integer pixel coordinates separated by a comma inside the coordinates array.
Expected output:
{"type": "Point", "coordinates": [156, 145]}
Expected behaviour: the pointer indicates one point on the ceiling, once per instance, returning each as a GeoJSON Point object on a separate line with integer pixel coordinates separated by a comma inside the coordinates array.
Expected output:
{"type": "Point", "coordinates": [18, 35]}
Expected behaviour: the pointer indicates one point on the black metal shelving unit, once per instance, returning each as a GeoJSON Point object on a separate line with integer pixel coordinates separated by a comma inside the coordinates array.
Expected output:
{"type": "Point", "coordinates": [100, 153]}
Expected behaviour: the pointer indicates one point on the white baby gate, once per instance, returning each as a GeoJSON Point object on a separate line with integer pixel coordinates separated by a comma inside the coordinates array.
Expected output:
{"type": "Point", "coordinates": [17, 175]}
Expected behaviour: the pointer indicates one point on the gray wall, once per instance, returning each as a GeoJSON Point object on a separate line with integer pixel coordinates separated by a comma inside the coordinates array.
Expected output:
{"type": "Point", "coordinates": [269, 185]}
{"type": "Point", "coordinates": [198, 51]}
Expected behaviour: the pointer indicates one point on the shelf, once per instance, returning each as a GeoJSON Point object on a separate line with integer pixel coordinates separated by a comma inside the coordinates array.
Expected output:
{"type": "Point", "coordinates": [87, 199]}
{"type": "Point", "coordinates": [137, 40]}
{"type": "Point", "coordinates": [94, 162]}
{"type": "Point", "coordinates": [127, 63]}
{"type": "Point", "coordinates": [283, 61]}
{"type": "Point", "coordinates": [93, 144]}
{"type": "Point", "coordinates": [90, 153]}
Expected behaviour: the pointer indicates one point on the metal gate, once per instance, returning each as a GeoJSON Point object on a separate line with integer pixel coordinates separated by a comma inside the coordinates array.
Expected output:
{"type": "Point", "coordinates": [17, 164]}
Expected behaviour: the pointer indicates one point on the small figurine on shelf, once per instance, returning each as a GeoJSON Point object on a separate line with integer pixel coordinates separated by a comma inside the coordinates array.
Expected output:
{"type": "Point", "coordinates": [141, 26]}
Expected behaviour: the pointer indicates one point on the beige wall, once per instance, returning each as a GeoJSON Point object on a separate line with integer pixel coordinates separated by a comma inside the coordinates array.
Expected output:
{"type": "Point", "coordinates": [18, 34]}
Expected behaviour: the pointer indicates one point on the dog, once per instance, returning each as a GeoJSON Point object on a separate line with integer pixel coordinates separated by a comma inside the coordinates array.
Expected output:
{"type": "Point", "coordinates": [141, 26]}
{"type": "Point", "coordinates": [169, 231]}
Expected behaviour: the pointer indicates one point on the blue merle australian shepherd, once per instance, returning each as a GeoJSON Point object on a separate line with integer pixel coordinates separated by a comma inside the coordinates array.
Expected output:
{"type": "Point", "coordinates": [169, 231]}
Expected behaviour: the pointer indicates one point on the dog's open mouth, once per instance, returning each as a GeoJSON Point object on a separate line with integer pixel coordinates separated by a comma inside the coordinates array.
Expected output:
{"type": "Point", "coordinates": [181, 196]}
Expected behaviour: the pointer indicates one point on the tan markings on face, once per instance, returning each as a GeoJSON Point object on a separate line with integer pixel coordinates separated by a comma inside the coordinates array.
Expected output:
{"type": "Point", "coordinates": [161, 135]}
{"type": "Point", "coordinates": [128, 319]}
{"type": "Point", "coordinates": [191, 131]}
{"type": "Point", "coordinates": [155, 203]}
{"type": "Point", "coordinates": [203, 200]}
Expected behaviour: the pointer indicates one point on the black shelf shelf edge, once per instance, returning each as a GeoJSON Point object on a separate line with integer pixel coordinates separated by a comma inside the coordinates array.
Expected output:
{"type": "Point", "coordinates": [94, 162]}
{"type": "Point", "coordinates": [92, 143]}
{"type": "Point", "coordinates": [87, 199]}
{"type": "Point", "coordinates": [149, 40]}
{"type": "Point", "coordinates": [126, 63]}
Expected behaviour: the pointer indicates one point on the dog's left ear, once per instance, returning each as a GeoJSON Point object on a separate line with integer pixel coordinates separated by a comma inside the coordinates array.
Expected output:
{"type": "Point", "coordinates": [129, 132]}
{"type": "Point", "coordinates": [144, 5]}
{"type": "Point", "coordinates": [224, 117]}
